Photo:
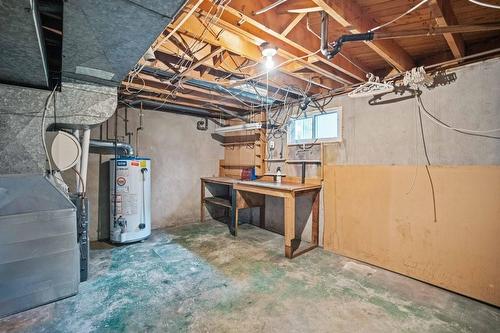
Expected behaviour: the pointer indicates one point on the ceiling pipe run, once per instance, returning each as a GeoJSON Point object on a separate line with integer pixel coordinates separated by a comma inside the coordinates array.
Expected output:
{"type": "Point", "coordinates": [109, 147]}
{"type": "Point", "coordinates": [176, 108]}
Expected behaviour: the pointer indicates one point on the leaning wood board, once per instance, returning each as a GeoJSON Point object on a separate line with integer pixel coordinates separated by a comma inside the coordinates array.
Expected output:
{"type": "Point", "coordinates": [373, 214]}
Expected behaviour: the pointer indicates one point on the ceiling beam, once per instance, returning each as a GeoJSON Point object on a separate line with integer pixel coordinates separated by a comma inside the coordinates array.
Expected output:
{"type": "Point", "coordinates": [326, 78]}
{"type": "Point", "coordinates": [176, 25]}
{"type": "Point", "coordinates": [164, 57]}
{"type": "Point", "coordinates": [234, 43]}
{"type": "Point", "coordinates": [444, 16]}
{"type": "Point", "coordinates": [214, 51]}
{"type": "Point", "coordinates": [292, 24]}
{"type": "Point", "coordinates": [259, 27]}
{"type": "Point", "coordinates": [180, 99]}
{"type": "Point", "coordinates": [156, 86]}
{"type": "Point", "coordinates": [350, 15]}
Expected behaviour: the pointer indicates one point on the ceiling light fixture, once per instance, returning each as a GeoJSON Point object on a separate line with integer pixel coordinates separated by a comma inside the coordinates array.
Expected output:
{"type": "Point", "coordinates": [268, 51]}
{"type": "Point", "coordinates": [236, 128]}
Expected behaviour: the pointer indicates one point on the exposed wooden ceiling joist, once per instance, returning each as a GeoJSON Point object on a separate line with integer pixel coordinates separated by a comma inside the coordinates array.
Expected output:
{"type": "Point", "coordinates": [200, 56]}
{"type": "Point", "coordinates": [350, 15]}
{"type": "Point", "coordinates": [145, 82]}
{"type": "Point", "coordinates": [292, 24]}
{"type": "Point", "coordinates": [256, 26]}
{"type": "Point", "coordinates": [444, 17]}
{"type": "Point", "coordinates": [234, 43]}
{"type": "Point", "coordinates": [178, 24]}
{"type": "Point", "coordinates": [214, 51]}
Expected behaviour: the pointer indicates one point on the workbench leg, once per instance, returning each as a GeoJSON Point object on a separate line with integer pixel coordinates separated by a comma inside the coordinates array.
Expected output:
{"type": "Point", "coordinates": [233, 220]}
{"type": "Point", "coordinates": [202, 202]}
{"type": "Point", "coordinates": [315, 218]}
{"type": "Point", "coordinates": [289, 212]}
{"type": "Point", "coordinates": [262, 216]}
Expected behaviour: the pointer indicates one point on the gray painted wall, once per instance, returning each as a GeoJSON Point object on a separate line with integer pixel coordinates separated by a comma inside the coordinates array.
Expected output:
{"type": "Point", "coordinates": [389, 134]}
{"type": "Point", "coordinates": [180, 155]}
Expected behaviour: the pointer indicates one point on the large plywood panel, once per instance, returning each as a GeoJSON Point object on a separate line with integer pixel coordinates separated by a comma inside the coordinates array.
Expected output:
{"type": "Point", "coordinates": [383, 215]}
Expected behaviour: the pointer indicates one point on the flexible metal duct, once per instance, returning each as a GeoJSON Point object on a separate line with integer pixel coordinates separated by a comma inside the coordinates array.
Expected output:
{"type": "Point", "coordinates": [109, 147]}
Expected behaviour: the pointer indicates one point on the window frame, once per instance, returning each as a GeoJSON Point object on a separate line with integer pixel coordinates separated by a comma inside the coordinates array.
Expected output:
{"type": "Point", "coordinates": [313, 115]}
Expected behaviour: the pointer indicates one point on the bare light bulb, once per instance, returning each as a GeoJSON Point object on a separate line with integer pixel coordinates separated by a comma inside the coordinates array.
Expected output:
{"type": "Point", "coordinates": [269, 62]}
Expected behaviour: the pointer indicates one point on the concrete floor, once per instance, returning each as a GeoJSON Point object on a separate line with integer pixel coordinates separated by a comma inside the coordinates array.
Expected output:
{"type": "Point", "coordinates": [197, 278]}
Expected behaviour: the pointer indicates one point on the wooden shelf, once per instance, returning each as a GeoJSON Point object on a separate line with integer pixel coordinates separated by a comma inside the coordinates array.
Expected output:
{"type": "Point", "coordinates": [275, 160]}
{"type": "Point", "coordinates": [218, 201]}
{"type": "Point", "coordinates": [241, 143]}
{"type": "Point", "coordinates": [239, 166]}
{"type": "Point", "coordinates": [304, 161]}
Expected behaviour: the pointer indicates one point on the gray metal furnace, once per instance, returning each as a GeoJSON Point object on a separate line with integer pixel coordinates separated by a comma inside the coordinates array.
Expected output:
{"type": "Point", "coordinates": [39, 255]}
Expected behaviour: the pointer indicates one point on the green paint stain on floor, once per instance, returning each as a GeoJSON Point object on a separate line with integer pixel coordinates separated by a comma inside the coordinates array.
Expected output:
{"type": "Point", "coordinates": [198, 278]}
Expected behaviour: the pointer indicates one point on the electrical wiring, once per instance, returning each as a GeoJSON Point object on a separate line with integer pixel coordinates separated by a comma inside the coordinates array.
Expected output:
{"type": "Point", "coordinates": [275, 67]}
{"type": "Point", "coordinates": [416, 149]}
{"type": "Point", "coordinates": [81, 180]}
{"type": "Point", "coordinates": [460, 130]}
{"type": "Point", "coordinates": [428, 163]}
{"type": "Point", "coordinates": [400, 16]}
{"type": "Point", "coordinates": [488, 5]}
{"type": "Point", "coordinates": [208, 21]}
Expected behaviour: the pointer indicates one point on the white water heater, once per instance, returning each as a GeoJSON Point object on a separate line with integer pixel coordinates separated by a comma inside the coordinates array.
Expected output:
{"type": "Point", "coordinates": [130, 198]}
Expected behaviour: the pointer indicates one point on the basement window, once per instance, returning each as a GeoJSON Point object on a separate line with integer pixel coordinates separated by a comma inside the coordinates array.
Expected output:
{"type": "Point", "coordinates": [316, 127]}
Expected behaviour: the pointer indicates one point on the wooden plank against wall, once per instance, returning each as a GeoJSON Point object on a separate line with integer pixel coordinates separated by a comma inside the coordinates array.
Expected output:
{"type": "Point", "coordinates": [374, 214]}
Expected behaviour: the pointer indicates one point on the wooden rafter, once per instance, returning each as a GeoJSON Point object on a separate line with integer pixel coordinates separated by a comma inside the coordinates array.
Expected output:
{"type": "Point", "coordinates": [254, 25]}
{"type": "Point", "coordinates": [292, 24]}
{"type": "Point", "coordinates": [234, 43]}
{"type": "Point", "coordinates": [215, 51]}
{"type": "Point", "coordinates": [177, 25]}
{"type": "Point", "coordinates": [351, 17]}
{"type": "Point", "coordinates": [444, 16]}
{"type": "Point", "coordinates": [154, 85]}
{"type": "Point", "coordinates": [330, 79]}
{"type": "Point", "coordinates": [277, 79]}
{"type": "Point", "coordinates": [178, 97]}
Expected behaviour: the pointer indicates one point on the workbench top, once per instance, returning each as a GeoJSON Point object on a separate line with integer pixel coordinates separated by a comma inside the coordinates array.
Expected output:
{"type": "Point", "coordinates": [291, 187]}
{"type": "Point", "coordinates": [220, 180]}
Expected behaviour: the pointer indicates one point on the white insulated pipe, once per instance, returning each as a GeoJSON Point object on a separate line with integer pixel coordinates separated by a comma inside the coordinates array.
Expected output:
{"type": "Point", "coordinates": [76, 134]}
{"type": "Point", "coordinates": [85, 159]}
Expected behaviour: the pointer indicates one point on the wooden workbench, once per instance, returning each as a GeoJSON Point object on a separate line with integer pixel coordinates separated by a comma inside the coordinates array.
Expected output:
{"type": "Point", "coordinates": [227, 201]}
{"type": "Point", "coordinates": [252, 194]}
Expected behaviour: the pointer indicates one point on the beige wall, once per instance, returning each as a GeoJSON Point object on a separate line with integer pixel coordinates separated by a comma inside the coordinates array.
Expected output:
{"type": "Point", "coordinates": [378, 204]}
{"type": "Point", "coordinates": [384, 215]}
{"type": "Point", "coordinates": [180, 155]}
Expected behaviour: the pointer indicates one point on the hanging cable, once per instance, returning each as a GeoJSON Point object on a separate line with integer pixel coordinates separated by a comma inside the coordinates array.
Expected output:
{"type": "Point", "coordinates": [428, 163]}
{"type": "Point", "coordinates": [460, 130]}
{"type": "Point", "coordinates": [479, 3]}
{"type": "Point", "coordinates": [400, 16]}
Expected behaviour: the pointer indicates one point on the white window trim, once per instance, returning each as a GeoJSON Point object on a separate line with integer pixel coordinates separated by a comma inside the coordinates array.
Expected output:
{"type": "Point", "coordinates": [338, 110]}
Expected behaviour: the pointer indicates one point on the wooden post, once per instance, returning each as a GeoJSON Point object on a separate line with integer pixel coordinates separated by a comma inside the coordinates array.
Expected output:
{"type": "Point", "coordinates": [289, 212]}
{"type": "Point", "coordinates": [315, 218]}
